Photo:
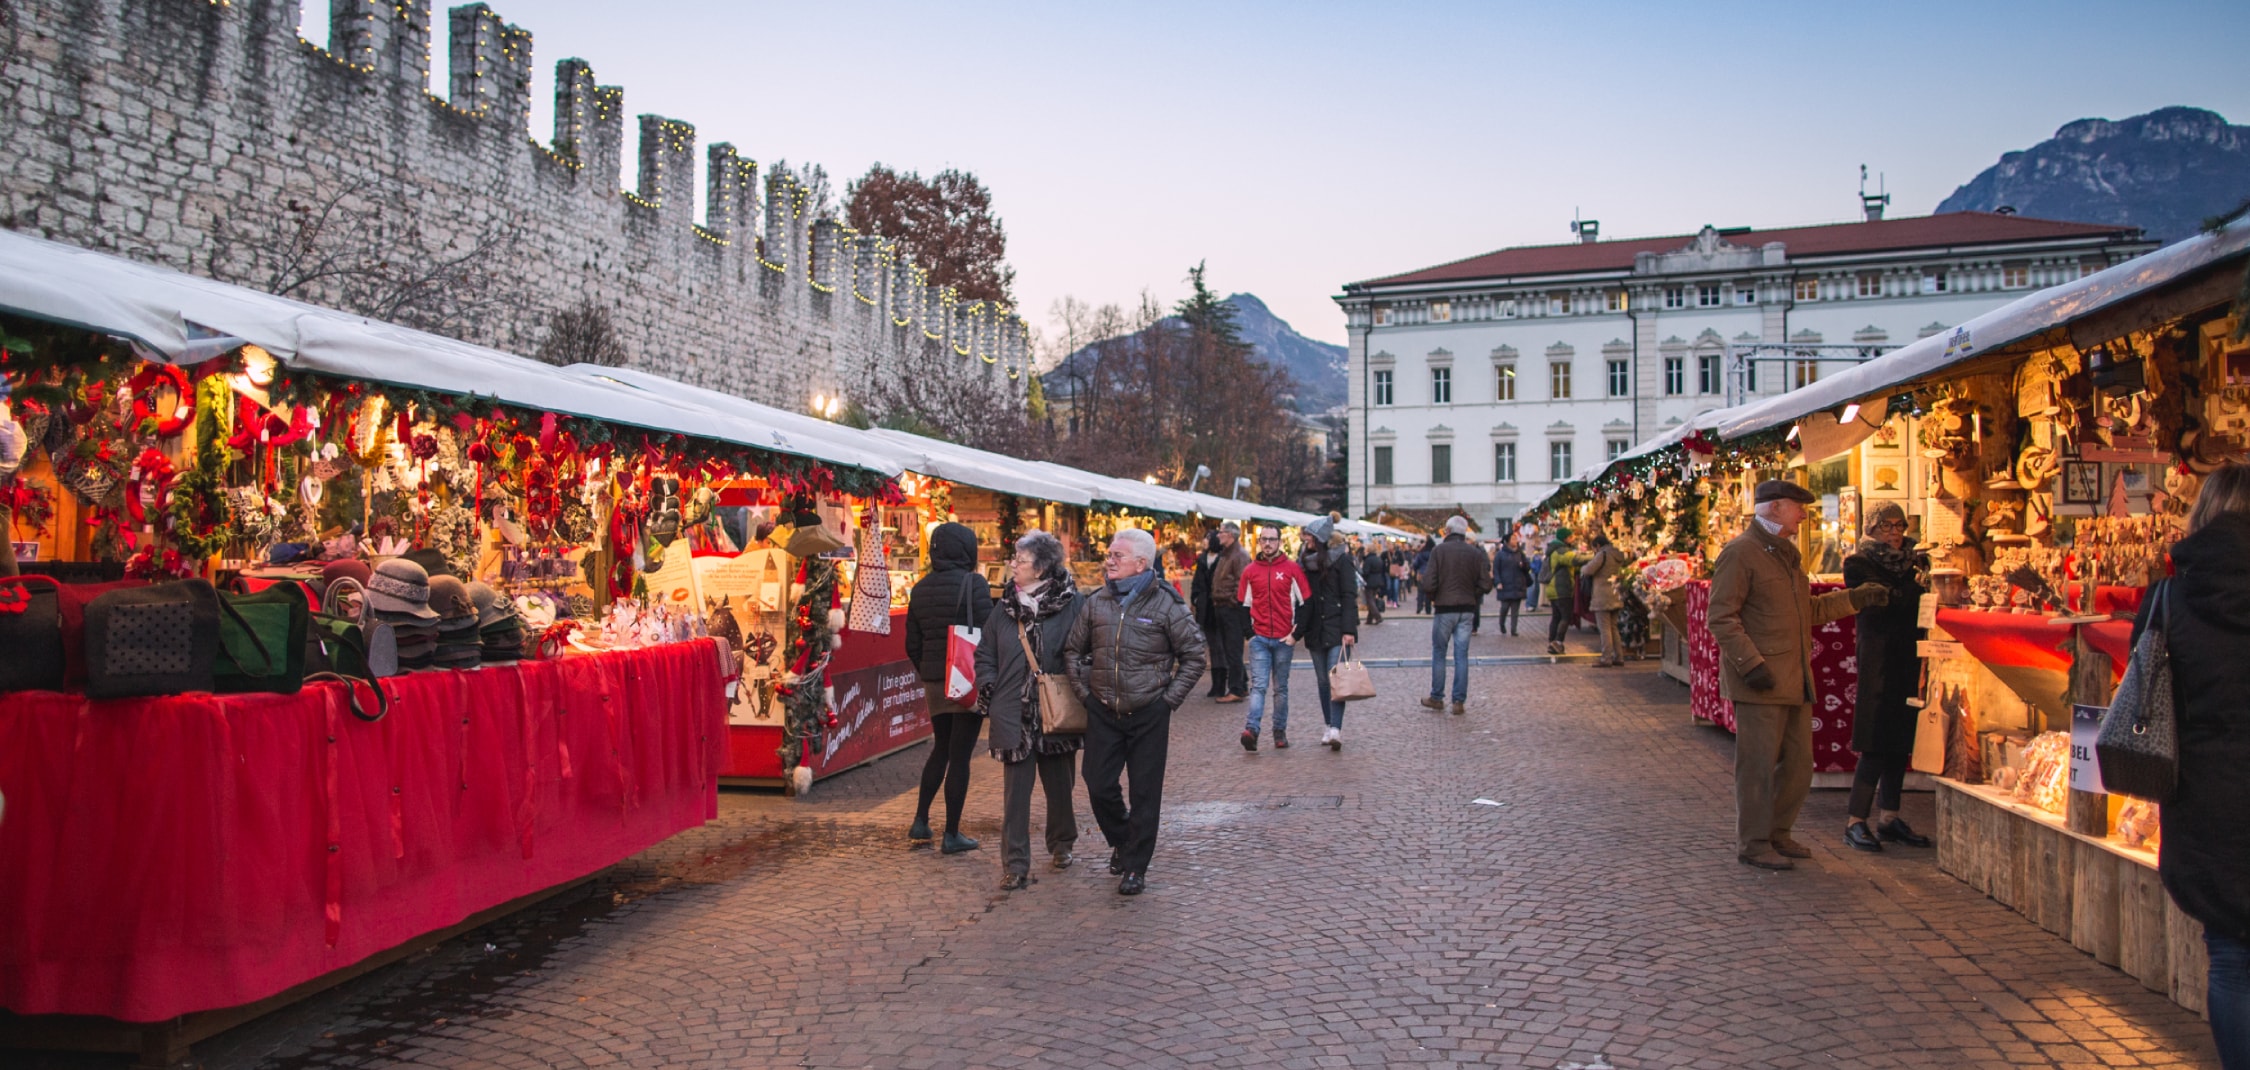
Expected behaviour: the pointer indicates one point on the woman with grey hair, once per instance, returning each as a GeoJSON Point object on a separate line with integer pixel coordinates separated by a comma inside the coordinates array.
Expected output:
{"type": "Point", "coordinates": [1034, 613]}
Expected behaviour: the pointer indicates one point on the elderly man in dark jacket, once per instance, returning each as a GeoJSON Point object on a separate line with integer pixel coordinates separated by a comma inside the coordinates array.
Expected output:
{"type": "Point", "coordinates": [1134, 654]}
{"type": "Point", "coordinates": [1763, 612]}
{"type": "Point", "coordinates": [953, 593]}
{"type": "Point", "coordinates": [1456, 579]}
{"type": "Point", "coordinates": [1230, 619]}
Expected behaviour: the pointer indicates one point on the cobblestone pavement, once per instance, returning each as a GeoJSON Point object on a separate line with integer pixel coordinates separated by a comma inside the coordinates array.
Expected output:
{"type": "Point", "coordinates": [1306, 909]}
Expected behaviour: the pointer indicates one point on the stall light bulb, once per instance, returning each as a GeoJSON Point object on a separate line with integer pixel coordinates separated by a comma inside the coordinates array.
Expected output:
{"type": "Point", "coordinates": [1851, 412]}
{"type": "Point", "coordinates": [1793, 433]}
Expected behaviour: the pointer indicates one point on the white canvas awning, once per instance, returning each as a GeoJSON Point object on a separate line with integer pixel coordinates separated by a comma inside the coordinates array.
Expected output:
{"type": "Point", "coordinates": [987, 470]}
{"type": "Point", "coordinates": [2003, 326]}
{"type": "Point", "coordinates": [185, 318]}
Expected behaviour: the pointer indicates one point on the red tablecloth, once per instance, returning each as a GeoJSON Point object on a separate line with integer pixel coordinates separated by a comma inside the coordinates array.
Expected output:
{"type": "Point", "coordinates": [2029, 653]}
{"type": "Point", "coordinates": [1835, 663]}
{"type": "Point", "coordinates": [168, 855]}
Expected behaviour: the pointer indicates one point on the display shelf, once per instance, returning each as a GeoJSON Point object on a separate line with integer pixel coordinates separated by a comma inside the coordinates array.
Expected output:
{"type": "Point", "coordinates": [2101, 895]}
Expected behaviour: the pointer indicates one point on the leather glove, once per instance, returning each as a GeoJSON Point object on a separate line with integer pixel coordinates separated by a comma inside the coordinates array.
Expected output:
{"type": "Point", "coordinates": [1870, 594]}
{"type": "Point", "coordinates": [1760, 678]}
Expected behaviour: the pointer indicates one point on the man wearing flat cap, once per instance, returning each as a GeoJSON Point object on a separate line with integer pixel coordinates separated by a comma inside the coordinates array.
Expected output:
{"type": "Point", "coordinates": [1763, 613]}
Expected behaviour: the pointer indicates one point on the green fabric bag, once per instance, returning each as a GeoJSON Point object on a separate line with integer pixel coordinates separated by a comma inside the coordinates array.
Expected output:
{"type": "Point", "coordinates": [262, 640]}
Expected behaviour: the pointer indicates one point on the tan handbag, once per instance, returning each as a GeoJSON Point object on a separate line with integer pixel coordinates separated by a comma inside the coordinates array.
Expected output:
{"type": "Point", "coordinates": [1348, 680]}
{"type": "Point", "coordinates": [1060, 712]}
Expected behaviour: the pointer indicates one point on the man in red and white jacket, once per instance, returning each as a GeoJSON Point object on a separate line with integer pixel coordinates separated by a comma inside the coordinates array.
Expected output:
{"type": "Point", "coordinates": [1272, 586]}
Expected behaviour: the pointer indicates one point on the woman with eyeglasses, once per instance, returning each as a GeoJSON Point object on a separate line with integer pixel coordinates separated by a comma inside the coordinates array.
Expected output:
{"type": "Point", "coordinates": [1890, 673]}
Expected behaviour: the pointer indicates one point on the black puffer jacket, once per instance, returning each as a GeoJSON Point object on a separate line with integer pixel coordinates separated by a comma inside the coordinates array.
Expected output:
{"type": "Point", "coordinates": [1124, 655]}
{"type": "Point", "coordinates": [2206, 859]}
{"type": "Point", "coordinates": [953, 593]}
{"type": "Point", "coordinates": [1511, 573]}
{"type": "Point", "coordinates": [1333, 610]}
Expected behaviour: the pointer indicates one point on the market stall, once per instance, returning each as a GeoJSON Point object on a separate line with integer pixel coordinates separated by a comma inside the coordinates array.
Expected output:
{"type": "Point", "coordinates": [2046, 456]}
{"type": "Point", "coordinates": [396, 638]}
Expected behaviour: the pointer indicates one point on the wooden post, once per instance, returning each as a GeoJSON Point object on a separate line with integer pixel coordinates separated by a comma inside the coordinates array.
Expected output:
{"type": "Point", "coordinates": [2089, 685]}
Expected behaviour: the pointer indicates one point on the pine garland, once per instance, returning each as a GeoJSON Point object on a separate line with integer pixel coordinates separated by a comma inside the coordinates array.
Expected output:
{"type": "Point", "coordinates": [804, 698]}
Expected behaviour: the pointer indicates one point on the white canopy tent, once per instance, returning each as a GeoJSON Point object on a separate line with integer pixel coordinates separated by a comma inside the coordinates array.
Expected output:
{"type": "Point", "coordinates": [185, 318]}
{"type": "Point", "coordinates": [2003, 326]}
{"type": "Point", "coordinates": [990, 471]}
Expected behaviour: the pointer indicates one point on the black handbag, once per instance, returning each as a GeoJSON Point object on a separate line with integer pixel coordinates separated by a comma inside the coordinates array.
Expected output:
{"type": "Point", "coordinates": [162, 639]}
{"type": "Point", "coordinates": [262, 640]}
{"type": "Point", "coordinates": [2138, 746]}
{"type": "Point", "coordinates": [31, 633]}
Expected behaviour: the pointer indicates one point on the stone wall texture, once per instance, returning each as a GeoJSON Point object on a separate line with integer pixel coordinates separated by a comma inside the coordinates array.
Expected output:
{"type": "Point", "coordinates": [204, 135]}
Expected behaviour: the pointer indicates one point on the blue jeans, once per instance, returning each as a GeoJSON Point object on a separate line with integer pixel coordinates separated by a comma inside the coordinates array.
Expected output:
{"type": "Point", "coordinates": [2230, 999]}
{"type": "Point", "coordinates": [1323, 659]}
{"type": "Point", "coordinates": [1269, 663]}
{"type": "Point", "coordinates": [1454, 628]}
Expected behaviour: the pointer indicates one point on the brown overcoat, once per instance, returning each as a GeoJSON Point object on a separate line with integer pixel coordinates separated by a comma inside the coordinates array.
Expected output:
{"type": "Point", "coordinates": [1763, 612]}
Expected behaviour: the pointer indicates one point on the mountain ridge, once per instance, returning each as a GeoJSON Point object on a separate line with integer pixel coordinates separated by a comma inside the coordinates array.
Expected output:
{"type": "Point", "coordinates": [2164, 171]}
{"type": "Point", "coordinates": [1317, 367]}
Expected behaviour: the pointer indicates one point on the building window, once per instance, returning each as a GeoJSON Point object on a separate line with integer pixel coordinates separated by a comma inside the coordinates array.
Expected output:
{"type": "Point", "coordinates": [1382, 317]}
{"type": "Point", "coordinates": [1808, 289]}
{"type": "Point", "coordinates": [1558, 380]}
{"type": "Point", "coordinates": [1441, 463]}
{"type": "Point", "coordinates": [1707, 374]}
{"type": "Point", "coordinates": [2087, 267]}
{"type": "Point", "coordinates": [1617, 301]}
{"type": "Point", "coordinates": [1933, 282]}
{"type": "Point", "coordinates": [1382, 466]}
{"type": "Point", "coordinates": [1382, 386]}
{"type": "Point", "coordinates": [1504, 378]}
{"type": "Point", "coordinates": [1441, 311]}
{"type": "Point", "coordinates": [1503, 462]}
{"type": "Point", "coordinates": [1508, 309]}
{"type": "Point", "coordinates": [1441, 386]}
{"type": "Point", "coordinates": [1558, 304]}
{"type": "Point", "coordinates": [1620, 379]}
{"type": "Point", "coordinates": [1709, 295]}
{"type": "Point", "coordinates": [1870, 284]}
{"type": "Point", "coordinates": [1675, 297]}
{"type": "Point", "coordinates": [1617, 447]}
{"type": "Point", "coordinates": [1747, 295]}
{"type": "Point", "coordinates": [1558, 461]}
{"type": "Point", "coordinates": [2015, 276]}
{"type": "Point", "coordinates": [1804, 373]}
{"type": "Point", "coordinates": [1675, 375]}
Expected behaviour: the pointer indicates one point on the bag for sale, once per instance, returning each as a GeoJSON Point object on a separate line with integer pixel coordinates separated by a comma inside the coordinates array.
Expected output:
{"type": "Point", "coordinates": [871, 586]}
{"type": "Point", "coordinates": [162, 639]}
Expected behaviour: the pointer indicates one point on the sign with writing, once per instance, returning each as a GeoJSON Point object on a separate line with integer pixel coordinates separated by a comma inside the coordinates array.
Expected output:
{"type": "Point", "coordinates": [1925, 611]}
{"type": "Point", "coordinates": [1939, 648]}
{"type": "Point", "coordinates": [2085, 727]}
{"type": "Point", "coordinates": [878, 710]}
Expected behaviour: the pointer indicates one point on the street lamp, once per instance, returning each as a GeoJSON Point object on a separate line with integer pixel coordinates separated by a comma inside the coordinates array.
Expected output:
{"type": "Point", "coordinates": [1201, 471]}
{"type": "Point", "coordinates": [1240, 484]}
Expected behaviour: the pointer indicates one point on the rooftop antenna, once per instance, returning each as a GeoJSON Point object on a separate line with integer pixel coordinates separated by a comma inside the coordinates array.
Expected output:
{"type": "Point", "coordinates": [1872, 203]}
{"type": "Point", "coordinates": [1588, 230]}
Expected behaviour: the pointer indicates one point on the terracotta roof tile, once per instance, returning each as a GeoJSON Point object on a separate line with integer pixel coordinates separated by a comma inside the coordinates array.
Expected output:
{"type": "Point", "coordinates": [1915, 232]}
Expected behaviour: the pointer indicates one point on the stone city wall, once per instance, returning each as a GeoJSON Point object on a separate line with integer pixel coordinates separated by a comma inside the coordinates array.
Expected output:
{"type": "Point", "coordinates": [208, 136]}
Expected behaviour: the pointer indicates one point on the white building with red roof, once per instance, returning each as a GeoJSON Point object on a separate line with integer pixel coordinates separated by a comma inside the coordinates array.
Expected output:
{"type": "Point", "coordinates": [1487, 382]}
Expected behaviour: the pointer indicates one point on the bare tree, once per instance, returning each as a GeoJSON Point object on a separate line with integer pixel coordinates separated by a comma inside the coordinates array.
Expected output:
{"type": "Point", "coordinates": [943, 395]}
{"type": "Point", "coordinates": [366, 251]}
{"type": "Point", "coordinates": [582, 334]}
{"type": "Point", "coordinates": [820, 197]}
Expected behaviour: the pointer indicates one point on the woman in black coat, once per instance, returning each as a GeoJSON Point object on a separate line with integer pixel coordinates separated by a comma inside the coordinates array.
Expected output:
{"type": "Point", "coordinates": [953, 593]}
{"type": "Point", "coordinates": [1511, 579]}
{"type": "Point", "coordinates": [2205, 862]}
{"type": "Point", "coordinates": [1043, 602]}
{"type": "Point", "coordinates": [1890, 672]}
{"type": "Point", "coordinates": [1330, 618]}
{"type": "Point", "coordinates": [1199, 600]}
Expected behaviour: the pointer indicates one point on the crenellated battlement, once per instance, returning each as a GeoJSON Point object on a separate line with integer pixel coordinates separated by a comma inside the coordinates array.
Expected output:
{"type": "Point", "coordinates": [203, 131]}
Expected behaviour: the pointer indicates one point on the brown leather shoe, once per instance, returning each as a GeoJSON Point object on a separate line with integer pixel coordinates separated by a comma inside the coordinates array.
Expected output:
{"type": "Point", "coordinates": [1459, 709]}
{"type": "Point", "coordinates": [1761, 854]}
{"type": "Point", "coordinates": [1433, 703]}
{"type": "Point", "coordinates": [1230, 698]}
{"type": "Point", "coordinates": [1789, 848]}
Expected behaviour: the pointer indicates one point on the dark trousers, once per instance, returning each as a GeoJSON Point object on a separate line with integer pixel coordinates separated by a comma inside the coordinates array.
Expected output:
{"type": "Point", "coordinates": [1056, 773]}
{"type": "Point", "coordinates": [1214, 636]}
{"type": "Point", "coordinates": [1133, 745]}
{"type": "Point", "coordinates": [953, 742]}
{"type": "Point", "coordinates": [1372, 597]}
{"type": "Point", "coordinates": [1511, 616]}
{"type": "Point", "coordinates": [1234, 632]}
{"type": "Point", "coordinates": [1877, 782]}
{"type": "Point", "coordinates": [2229, 1001]}
{"type": "Point", "coordinates": [1558, 620]}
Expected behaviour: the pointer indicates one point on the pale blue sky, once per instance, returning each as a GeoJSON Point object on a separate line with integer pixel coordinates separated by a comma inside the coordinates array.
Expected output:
{"type": "Point", "coordinates": [1298, 146]}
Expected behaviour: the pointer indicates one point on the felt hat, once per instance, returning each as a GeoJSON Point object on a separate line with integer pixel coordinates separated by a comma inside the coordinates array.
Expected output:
{"type": "Point", "coordinates": [432, 561]}
{"type": "Point", "coordinates": [449, 599]}
{"type": "Point", "coordinates": [348, 568]}
{"type": "Point", "coordinates": [402, 587]}
{"type": "Point", "coordinates": [1781, 490]}
{"type": "Point", "coordinates": [491, 608]}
